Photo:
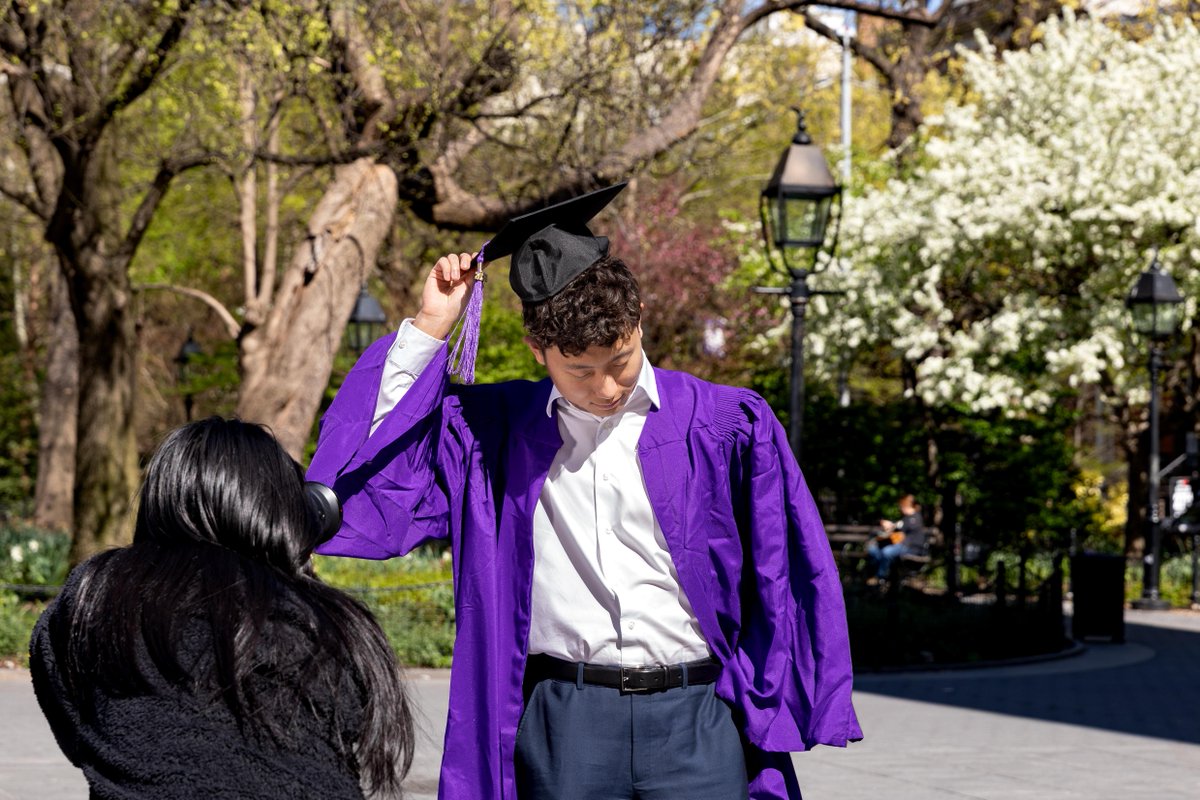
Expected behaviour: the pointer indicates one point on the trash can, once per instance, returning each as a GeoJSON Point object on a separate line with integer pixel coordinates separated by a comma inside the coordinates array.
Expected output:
{"type": "Point", "coordinates": [1098, 596]}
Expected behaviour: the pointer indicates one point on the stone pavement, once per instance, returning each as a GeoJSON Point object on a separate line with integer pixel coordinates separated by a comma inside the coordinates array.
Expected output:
{"type": "Point", "coordinates": [1117, 722]}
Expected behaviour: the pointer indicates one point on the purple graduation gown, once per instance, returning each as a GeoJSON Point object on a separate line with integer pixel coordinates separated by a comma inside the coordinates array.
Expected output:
{"type": "Point", "coordinates": [468, 463]}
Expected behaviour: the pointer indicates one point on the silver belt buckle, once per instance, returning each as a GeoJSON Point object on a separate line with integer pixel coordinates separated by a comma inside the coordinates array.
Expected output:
{"type": "Point", "coordinates": [628, 672]}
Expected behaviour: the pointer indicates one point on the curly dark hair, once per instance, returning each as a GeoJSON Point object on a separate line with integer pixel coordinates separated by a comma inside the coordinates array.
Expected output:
{"type": "Point", "coordinates": [599, 307]}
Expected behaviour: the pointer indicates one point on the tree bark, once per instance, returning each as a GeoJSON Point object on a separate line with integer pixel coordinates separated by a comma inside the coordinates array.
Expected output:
{"type": "Point", "coordinates": [106, 451]}
{"type": "Point", "coordinates": [905, 82]}
{"type": "Point", "coordinates": [57, 414]}
{"type": "Point", "coordinates": [285, 363]}
{"type": "Point", "coordinates": [84, 233]}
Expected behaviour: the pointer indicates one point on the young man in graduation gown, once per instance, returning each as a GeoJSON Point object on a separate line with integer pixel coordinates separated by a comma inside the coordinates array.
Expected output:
{"type": "Point", "coordinates": [647, 606]}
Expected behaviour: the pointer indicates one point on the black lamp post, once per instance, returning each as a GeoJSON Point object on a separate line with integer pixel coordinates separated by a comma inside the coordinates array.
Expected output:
{"type": "Point", "coordinates": [189, 350]}
{"type": "Point", "coordinates": [366, 321]}
{"type": "Point", "coordinates": [795, 206]}
{"type": "Point", "coordinates": [1155, 304]}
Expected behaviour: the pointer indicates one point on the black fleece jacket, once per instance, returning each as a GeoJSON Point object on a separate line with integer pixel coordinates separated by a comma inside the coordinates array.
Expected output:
{"type": "Point", "coordinates": [169, 743]}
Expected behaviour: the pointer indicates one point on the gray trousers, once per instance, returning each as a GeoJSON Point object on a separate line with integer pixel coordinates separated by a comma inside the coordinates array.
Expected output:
{"type": "Point", "coordinates": [583, 742]}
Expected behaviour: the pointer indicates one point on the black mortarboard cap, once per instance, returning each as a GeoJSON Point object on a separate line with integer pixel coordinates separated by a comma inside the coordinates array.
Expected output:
{"type": "Point", "coordinates": [552, 245]}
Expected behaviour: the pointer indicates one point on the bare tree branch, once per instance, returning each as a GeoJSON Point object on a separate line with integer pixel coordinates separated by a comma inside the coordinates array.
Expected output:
{"type": "Point", "coordinates": [347, 156]}
{"type": "Point", "coordinates": [920, 15]}
{"type": "Point", "coordinates": [916, 13]}
{"type": "Point", "coordinates": [129, 45]}
{"type": "Point", "coordinates": [231, 325]}
{"type": "Point", "coordinates": [12, 40]}
{"type": "Point", "coordinates": [246, 187]}
{"type": "Point", "coordinates": [456, 208]}
{"type": "Point", "coordinates": [869, 54]}
{"type": "Point", "coordinates": [270, 261]}
{"type": "Point", "coordinates": [377, 103]}
{"type": "Point", "coordinates": [23, 199]}
{"type": "Point", "coordinates": [24, 112]}
{"type": "Point", "coordinates": [151, 66]}
{"type": "Point", "coordinates": [154, 195]}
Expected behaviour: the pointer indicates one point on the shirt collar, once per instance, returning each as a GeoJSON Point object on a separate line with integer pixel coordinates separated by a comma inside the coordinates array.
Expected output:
{"type": "Point", "coordinates": [646, 384]}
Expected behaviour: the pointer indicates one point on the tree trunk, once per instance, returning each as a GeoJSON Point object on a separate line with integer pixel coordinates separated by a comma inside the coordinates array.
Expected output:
{"type": "Point", "coordinates": [84, 233]}
{"type": "Point", "coordinates": [906, 79]}
{"type": "Point", "coordinates": [106, 451]}
{"type": "Point", "coordinates": [286, 363]}
{"type": "Point", "coordinates": [57, 413]}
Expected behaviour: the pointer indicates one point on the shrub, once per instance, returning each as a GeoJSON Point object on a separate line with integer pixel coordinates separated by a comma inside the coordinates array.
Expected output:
{"type": "Point", "coordinates": [30, 556]}
{"type": "Point", "coordinates": [418, 623]}
{"type": "Point", "coordinates": [1174, 580]}
{"type": "Point", "coordinates": [16, 625]}
{"type": "Point", "coordinates": [412, 597]}
{"type": "Point", "coordinates": [30, 559]}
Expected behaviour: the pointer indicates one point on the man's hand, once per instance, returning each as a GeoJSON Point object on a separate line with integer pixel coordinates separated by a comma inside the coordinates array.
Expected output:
{"type": "Point", "coordinates": [444, 297]}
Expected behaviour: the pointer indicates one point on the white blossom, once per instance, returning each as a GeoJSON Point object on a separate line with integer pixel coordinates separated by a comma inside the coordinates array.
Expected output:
{"type": "Point", "coordinates": [1000, 268]}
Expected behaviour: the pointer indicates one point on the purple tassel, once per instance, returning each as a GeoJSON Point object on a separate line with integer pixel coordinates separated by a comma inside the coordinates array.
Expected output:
{"type": "Point", "coordinates": [466, 347]}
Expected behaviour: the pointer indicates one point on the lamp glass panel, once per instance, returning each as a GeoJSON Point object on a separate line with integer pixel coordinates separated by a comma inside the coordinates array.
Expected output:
{"type": "Point", "coordinates": [356, 335]}
{"type": "Point", "coordinates": [1143, 317]}
{"type": "Point", "coordinates": [1166, 319]}
{"type": "Point", "coordinates": [804, 221]}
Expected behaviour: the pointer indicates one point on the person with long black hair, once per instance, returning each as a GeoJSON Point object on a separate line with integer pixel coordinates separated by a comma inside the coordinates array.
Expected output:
{"type": "Point", "coordinates": [206, 659]}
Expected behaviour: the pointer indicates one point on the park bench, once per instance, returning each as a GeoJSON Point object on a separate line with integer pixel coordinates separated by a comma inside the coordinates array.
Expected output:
{"type": "Point", "coordinates": [849, 545]}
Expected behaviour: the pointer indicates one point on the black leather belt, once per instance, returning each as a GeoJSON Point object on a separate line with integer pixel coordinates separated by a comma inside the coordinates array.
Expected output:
{"type": "Point", "coordinates": [627, 679]}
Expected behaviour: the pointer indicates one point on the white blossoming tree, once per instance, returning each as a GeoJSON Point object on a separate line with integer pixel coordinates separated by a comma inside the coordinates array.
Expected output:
{"type": "Point", "coordinates": [997, 270]}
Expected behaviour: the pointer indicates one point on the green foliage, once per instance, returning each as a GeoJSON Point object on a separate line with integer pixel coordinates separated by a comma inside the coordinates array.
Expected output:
{"type": "Point", "coordinates": [419, 624]}
{"type": "Point", "coordinates": [866, 455]}
{"type": "Point", "coordinates": [1017, 477]}
{"type": "Point", "coordinates": [1174, 580]}
{"type": "Point", "coordinates": [1017, 480]}
{"type": "Point", "coordinates": [32, 557]}
{"type": "Point", "coordinates": [411, 597]}
{"type": "Point", "coordinates": [28, 557]}
{"type": "Point", "coordinates": [503, 354]}
{"type": "Point", "coordinates": [18, 438]}
{"type": "Point", "coordinates": [424, 565]}
{"type": "Point", "coordinates": [17, 618]}
{"type": "Point", "coordinates": [18, 429]}
{"type": "Point", "coordinates": [1039, 568]}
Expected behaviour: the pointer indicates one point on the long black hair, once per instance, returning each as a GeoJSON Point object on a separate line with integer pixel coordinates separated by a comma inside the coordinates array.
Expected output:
{"type": "Point", "coordinates": [223, 541]}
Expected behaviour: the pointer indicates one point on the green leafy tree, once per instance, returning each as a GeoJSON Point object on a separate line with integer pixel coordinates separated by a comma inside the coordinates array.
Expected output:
{"type": "Point", "coordinates": [107, 104]}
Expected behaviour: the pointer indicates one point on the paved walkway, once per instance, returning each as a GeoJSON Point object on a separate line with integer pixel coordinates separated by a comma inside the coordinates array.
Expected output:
{"type": "Point", "coordinates": [1118, 722]}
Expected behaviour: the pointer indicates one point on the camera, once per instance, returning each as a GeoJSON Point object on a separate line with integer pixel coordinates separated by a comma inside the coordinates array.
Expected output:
{"type": "Point", "coordinates": [326, 506]}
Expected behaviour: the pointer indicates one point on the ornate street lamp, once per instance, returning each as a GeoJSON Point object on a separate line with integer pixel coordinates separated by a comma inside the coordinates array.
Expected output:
{"type": "Point", "coordinates": [1155, 304]}
{"type": "Point", "coordinates": [189, 350]}
{"type": "Point", "coordinates": [795, 207]}
{"type": "Point", "coordinates": [366, 321]}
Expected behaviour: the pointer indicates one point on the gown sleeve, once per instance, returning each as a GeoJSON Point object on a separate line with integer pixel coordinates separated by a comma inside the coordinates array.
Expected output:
{"type": "Point", "coordinates": [395, 482]}
{"type": "Point", "coordinates": [791, 667]}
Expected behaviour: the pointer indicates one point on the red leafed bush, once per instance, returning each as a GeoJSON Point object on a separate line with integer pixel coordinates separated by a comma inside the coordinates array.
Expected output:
{"type": "Point", "coordinates": [694, 319]}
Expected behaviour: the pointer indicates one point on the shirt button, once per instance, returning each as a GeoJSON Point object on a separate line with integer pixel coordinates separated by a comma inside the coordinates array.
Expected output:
{"type": "Point", "coordinates": [629, 625]}
{"type": "Point", "coordinates": [609, 531]}
{"type": "Point", "coordinates": [606, 477]}
{"type": "Point", "coordinates": [402, 344]}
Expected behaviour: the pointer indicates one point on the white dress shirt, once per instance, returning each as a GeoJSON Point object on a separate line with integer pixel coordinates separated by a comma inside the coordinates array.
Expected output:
{"type": "Point", "coordinates": [605, 590]}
